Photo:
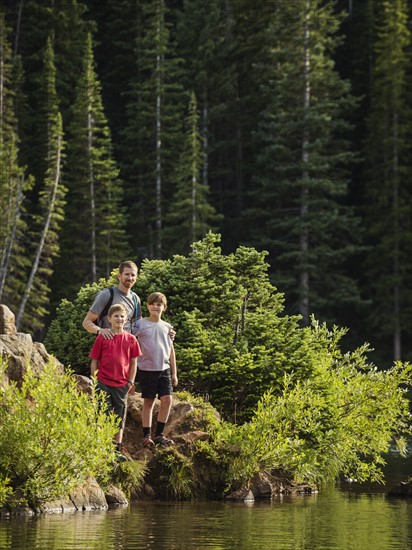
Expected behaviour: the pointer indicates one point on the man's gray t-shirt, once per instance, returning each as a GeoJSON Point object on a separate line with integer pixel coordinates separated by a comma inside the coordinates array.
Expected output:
{"type": "Point", "coordinates": [119, 297]}
{"type": "Point", "coordinates": [155, 343]}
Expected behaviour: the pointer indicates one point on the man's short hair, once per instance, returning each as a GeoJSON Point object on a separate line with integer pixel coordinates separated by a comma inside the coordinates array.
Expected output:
{"type": "Point", "coordinates": [129, 264]}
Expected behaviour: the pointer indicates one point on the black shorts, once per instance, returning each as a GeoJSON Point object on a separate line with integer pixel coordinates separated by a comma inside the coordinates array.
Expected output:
{"type": "Point", "coordinates": [116, 399]}
{"type": "Point", "coordinates": [154, 383]}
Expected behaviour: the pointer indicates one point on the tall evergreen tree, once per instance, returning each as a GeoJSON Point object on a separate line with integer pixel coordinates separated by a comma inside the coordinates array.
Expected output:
{"type": "Point", "coordinates": [153, 134]}
{"type": "Point", "coordinates": [298, 201]}
{"type": "Point", "coordinates": [190, 213]}
{"type": "Point", "coordinates": [93, 237]}
{"type": "Point", "coordinates": [14, 184]}
{"type": "Point", "coordinates": [388, 165]}
{"type": "Point", "coordinates": [35, 297]}
{"type": "Point", "coordinates": [34, 22]}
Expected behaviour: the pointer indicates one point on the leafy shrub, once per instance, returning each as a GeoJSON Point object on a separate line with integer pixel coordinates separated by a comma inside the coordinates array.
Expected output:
{"type": "Point", "coordinates": [232, 342]}
{"type": "Point", "coordinates": [5, 489]}
{"type": "Point", "coordinates": [51, 436]}
{"type": "Point", "coordinates": [341, 421]}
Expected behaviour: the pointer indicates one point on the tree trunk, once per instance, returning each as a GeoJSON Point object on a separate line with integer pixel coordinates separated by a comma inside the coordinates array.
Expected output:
{"type": "Point", "coordinates": [5, 260]}
{"type": "Point", "coordinates": [43, 237]}
{"type": "Point", "coordinates": [92, 199]}
{"type": "Point", "coordinates": [397, 346]}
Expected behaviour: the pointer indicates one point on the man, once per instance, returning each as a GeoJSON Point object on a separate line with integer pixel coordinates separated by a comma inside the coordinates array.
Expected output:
{"type": "Point", "coordinates": [120, 294]}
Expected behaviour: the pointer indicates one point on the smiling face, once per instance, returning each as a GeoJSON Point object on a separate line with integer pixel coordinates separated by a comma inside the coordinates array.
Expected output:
{"type": "Point", "coordinates": [117, 320]}
{"type": "Point", "coordinates": [127, 278]}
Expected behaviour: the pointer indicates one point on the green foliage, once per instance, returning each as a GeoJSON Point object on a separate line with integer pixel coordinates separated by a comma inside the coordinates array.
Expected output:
{"type": "Point", "coordinates": [93, 232]}
{"type": "Point", "coordinates": [297, 202]}
{"type": "Point", "coordinates": [51, 436]}
{"type": "Point", "coordinates": [5, 489]}
{"type": "Point", "coordinates": [153, 134]}
{"type": "Point", "coordinates": [340, 420]}
{"type": "Point", "coordinates": [387, 168]}
{"type": "Point", "coordinates": [129, 476]}
{"type": "Point", "coordinates": [190, 215]}
{"type": "Point", "coordinates": [15, 185]}
{"type": "Point", "coordinates": [44, 243]}
{"type": "Point", "coordinates": [179, 473]}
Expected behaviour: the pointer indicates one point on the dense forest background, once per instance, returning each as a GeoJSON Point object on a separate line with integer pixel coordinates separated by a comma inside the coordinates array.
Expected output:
{"type": "Point", "coordinates": [131, 128]}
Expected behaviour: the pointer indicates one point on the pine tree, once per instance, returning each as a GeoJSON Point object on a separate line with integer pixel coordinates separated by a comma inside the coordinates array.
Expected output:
{"type": "Point", "coordinates": [35, 298]}
{"type": "Point", "coordinates": [65, 22]}
{"type": "Point", "coordinates": [14, 184]}
{"type": "Point", "coordinates": [94, 239]}
{"type": "Point", "coordinates": [190, 213]}
{"type": "Point", "coordinates": [216, 41]}
{"type": "Point", "coordinates": [152, 139]}
{"type": "Point", "coordinates": [298, 203]}
{"type": "Point", "coordinates": [388, 164]}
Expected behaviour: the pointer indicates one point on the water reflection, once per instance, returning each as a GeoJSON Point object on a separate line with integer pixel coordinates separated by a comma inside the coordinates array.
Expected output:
{"type": "Point", "coordinates": [350, 518]}
{"type": "Point", "coordinates": [331, 520]}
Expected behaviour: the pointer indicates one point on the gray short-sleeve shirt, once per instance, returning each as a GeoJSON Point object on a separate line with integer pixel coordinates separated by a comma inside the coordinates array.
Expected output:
{"type": "Point", "coordinates": [155, 343]}
{"type": "Point", "coordinates": [119, 297]}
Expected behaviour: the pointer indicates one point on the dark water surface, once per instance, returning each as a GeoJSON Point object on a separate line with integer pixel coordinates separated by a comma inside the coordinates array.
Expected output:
{"type": "Point", "coordinates": [347, 518]}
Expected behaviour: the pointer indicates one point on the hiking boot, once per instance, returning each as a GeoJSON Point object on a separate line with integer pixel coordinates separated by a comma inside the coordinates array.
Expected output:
{"type": "Point", "coordinates": [120, 456]}
{"type": "Point", "coordinates": [163, 441]}
{"type": "Point", "coordinates": [148, 441]}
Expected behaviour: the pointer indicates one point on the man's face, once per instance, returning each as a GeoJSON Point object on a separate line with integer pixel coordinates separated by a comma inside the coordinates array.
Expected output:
{"type": "Point", "coordinates": [128, 277]}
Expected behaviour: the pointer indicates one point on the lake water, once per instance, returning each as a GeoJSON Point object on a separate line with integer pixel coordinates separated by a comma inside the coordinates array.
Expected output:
{"type": "Point", "coordinates": [347, 518]}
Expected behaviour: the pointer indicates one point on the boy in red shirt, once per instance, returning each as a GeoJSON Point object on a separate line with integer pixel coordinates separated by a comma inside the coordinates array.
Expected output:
{"type": "Point", "coordinates": [115, 362]}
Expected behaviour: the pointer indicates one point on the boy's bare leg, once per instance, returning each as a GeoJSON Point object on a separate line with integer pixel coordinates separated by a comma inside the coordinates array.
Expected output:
{"type": "Point", "coordinates": [147, 412]}
{"type": "Point", "coordinates": [164, 410]}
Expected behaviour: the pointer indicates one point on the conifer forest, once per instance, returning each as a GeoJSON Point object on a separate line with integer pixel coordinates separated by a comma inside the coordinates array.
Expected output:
{"type": "Point", "coordinates": [129, 129]}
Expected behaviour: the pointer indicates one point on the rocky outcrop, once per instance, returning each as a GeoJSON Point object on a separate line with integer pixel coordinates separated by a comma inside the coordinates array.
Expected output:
{"type": "Point", "coordinates": [19, 350]}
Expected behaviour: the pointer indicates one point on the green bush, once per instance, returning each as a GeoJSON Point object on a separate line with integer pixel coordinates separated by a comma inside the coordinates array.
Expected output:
{"type": "Point", "coordinates": [51, 436]}
{"type": "Point", "coordinates": [342, 420]}
{"type": "Point", "coordinates": [232, 342]}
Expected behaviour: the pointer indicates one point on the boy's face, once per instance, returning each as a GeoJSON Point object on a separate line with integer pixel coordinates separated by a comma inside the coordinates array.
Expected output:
{"type": "Point", "coordinates": [117, 320]}
{"type": "Point", "coordinates": [157, 308]}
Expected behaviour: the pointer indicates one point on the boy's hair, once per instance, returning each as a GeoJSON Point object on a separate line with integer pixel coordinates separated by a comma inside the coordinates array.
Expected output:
{"type": "Point", "coordinates": [128, 263]}
{"type": "Point", "coordinates": [157, 298]}
{"type": "Point", "coordinates": [116, 307]}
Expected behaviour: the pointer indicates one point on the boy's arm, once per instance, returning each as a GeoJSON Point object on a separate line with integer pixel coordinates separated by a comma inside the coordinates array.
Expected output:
{"type": "Point", "coordinates": [94, 365]}
{"type": "Point", "coordinates": [173, 368]}
{"type": "Point", "coordinates": [132, 374]}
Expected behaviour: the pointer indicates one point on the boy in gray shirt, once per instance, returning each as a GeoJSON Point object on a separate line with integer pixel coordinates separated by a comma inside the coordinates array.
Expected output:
{"type": "Point", "coordinates": [157, 370]}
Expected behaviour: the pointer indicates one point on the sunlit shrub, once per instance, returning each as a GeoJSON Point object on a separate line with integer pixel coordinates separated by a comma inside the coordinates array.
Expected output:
{"type": "Point", "coordinates": [51, 436]}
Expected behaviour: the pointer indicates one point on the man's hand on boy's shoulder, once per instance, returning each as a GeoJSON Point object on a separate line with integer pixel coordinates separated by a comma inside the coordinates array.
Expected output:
{"type": "Point", "coordinates": [106, 333]}
{"type": "Point", "coordinates": [172, 333]}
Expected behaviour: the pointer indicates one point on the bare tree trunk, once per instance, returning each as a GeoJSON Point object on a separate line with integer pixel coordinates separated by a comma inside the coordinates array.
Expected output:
{"type": "Point", "coordinates": [43, 237]}
{"type": "Point", "coordinates": [18, 25]}
{"type": "Point", "coordinates": [92, 199]}
{"type": "Point", "coordinates": [397, 333]}
{"type": "Point", "coordinates": [6, 255]}
{"type": "Point", "coordinates": [158, 186]}
{"type": "Point", "coordinates": [205, 124]}
{"type": "Point", "coordinates": [194, 183]}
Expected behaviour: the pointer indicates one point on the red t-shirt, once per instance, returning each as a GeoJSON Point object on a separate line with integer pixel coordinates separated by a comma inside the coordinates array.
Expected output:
{"type": "Point", "coordinates": [114, 358]}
